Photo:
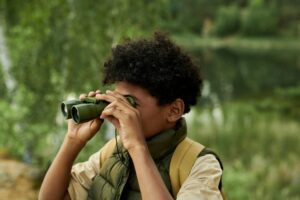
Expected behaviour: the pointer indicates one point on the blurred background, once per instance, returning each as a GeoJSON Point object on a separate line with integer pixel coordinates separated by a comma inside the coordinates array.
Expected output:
{"type": "Point", "coordinates": [248, 51]}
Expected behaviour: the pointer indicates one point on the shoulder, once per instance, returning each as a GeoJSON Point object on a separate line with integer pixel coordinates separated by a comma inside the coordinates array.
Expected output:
{"type": "Point", "coordinates": [206, 165]}
{"type": "Point", "coordinates": [203, 180]}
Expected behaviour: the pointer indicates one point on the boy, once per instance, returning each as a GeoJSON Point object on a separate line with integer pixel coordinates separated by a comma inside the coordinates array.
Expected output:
{"type": "Point", "coordinates": [164, 83]}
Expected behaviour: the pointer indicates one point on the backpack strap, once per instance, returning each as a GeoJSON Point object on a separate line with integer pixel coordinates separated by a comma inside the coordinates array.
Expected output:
{"type": "Point", "coordinates": [107, 151]}
{"type": "Point", "coordinates": [181, 164]}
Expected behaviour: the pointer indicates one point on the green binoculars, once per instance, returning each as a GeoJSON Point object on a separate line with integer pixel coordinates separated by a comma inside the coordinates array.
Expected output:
{"type": "Point", "coordinates": [86, 109]}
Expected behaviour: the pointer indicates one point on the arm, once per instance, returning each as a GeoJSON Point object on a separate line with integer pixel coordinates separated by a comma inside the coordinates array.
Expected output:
{"type": "Point", "coordinates": [57, 179]}
{"type": "Point", "coordinates": [149, 178]}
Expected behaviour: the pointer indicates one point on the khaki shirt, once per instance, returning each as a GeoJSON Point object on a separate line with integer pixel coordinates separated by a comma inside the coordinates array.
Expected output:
{"type": "Point", "coordinates": [202, 182]}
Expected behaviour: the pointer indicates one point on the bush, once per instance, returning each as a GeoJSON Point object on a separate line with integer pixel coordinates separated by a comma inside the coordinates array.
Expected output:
{"type": "Point", "coordinates": [227, 21]}
{"type": "Point", "coordinates": [259, 19]}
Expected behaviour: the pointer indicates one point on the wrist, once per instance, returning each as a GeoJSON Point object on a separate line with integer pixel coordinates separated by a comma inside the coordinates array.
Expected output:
{"type": "Point", "coordinates": [139, 151]}
{"type": "Point", "coordinates": [73, 138]}
{"type": "Point", "coordinates": [72, 145]}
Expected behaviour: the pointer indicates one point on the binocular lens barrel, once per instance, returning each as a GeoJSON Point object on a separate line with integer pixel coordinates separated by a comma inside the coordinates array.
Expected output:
{"type": "Point", "coordinates": [85, 112]}
{"type": "Point", "coordinates": [66, 107]}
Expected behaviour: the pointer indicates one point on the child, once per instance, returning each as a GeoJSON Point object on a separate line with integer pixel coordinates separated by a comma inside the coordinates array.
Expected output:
{"type": "Point", "coordinates": [165, 83]}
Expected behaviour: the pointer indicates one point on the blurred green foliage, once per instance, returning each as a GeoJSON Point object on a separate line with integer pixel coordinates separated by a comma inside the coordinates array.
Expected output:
{"type": "Point", "coordinates": [227, 20]}
{"type": "Point", "coordinates": [266, 164]}
{"type": "Point", "coordinates": [260, 19]}
{"type": "Point", "coordinates": [257, 19]}
{"type": "Point", "coordinates": [249, 112]}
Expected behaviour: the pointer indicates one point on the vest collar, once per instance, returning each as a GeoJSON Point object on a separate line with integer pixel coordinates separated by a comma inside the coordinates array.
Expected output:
{"type": "Point", "coordinates": [164, 142]}
{"type": "Point", "coordinates": [167, 140]}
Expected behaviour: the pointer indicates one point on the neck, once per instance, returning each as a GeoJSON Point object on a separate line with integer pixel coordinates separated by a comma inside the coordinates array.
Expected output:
{"type": "Point", "coordinates": [169, 125]}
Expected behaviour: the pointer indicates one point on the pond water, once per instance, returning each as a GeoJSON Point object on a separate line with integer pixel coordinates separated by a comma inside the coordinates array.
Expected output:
{"type": "Point", "coordinates": [240, 74]}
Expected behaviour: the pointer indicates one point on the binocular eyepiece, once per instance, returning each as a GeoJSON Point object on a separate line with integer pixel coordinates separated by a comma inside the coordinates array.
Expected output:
{"type": "Point", "coordinates": [86, 109]}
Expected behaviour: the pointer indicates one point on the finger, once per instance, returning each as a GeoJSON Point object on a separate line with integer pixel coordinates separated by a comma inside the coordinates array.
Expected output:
{"type": "Point", "coordinates": [98, 91]}
{"type": "Point", "coordinates": [115, 111]}
{"type": "Point", "coordinates": [105, 97]}
{"type": "Point", "coordinates": [118, 97]}
{"type": "Point", "coordinates": [95, 125]}
{"type": "Point", "coordinates": [107, 111]}
{"type": "Point", "coordinates": [92, 93]}
{"type": "Point", "coordinates": [114, 121]}
{"type": "Point", "coordinates": [124, 98]}
{"type": "Point", "coordinates": [82, 96]}
{"type": "Point", "coordinates": [121, 105]}
{"type": "Point", "coordinates": [108, 116]}
{"type": "Point", "coordinates": [115, 94]}
{"type": "Point", "coordinates": [100, 96]}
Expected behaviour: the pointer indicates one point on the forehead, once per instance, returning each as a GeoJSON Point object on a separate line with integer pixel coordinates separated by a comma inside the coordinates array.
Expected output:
{"type": "Point", "coordinates": [125, 88]}
{"type": "Point", "coordinates": [136, 91]}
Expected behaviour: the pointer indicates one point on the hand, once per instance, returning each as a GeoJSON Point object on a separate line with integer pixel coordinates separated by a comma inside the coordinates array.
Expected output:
{"type": "Point", "coordinates": [125, 118]}
{"type": "Point", "coordinates": [83, 132]}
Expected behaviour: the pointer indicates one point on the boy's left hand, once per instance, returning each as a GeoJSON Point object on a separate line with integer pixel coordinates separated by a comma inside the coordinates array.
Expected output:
{"type": "Point", "coordinates": [125, 118]}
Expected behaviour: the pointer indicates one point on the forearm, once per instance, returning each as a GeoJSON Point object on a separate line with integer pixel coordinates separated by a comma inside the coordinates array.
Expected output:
{"type": "Point", "coordinates": [149, 178]}
{"type": "Point", "coordinates": [57, 179]}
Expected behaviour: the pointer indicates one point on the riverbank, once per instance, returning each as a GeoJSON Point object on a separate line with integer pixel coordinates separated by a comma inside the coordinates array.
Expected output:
{"type": "Point", "coordinates": [239, 43]}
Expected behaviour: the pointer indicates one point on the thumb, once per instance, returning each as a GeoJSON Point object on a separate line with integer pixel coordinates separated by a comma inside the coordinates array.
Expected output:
{"type": "Point", "coordinates": [95, 125]}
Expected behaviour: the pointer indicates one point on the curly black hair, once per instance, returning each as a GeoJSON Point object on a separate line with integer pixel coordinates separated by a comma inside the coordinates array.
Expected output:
{"type": "Point", "coordinates": [157, 65]}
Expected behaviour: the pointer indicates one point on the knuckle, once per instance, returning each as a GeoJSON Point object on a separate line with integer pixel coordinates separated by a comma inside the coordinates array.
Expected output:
{"type": "Point", "coordinates": [119, 100]}
{"type": "Point", "coordinates": [91, 93]}
{"type": "Point", "coordinates": [81, 96]}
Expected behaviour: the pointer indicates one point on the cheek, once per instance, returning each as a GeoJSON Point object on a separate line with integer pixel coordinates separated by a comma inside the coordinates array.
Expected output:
{"type": "Point", "coordinates": [150, 115]}
{"type": "Point", "coordinates": [152, 121]}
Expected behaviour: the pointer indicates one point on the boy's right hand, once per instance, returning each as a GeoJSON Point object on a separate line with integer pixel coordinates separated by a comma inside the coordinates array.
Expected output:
{"type": "Point", "coordinates": [56, 181]}
{"type": "Point", "coordinates": [83, 132]}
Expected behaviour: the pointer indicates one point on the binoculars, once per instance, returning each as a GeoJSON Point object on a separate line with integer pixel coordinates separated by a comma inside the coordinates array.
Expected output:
{"type": "Point", "coordinates": [86, 109]}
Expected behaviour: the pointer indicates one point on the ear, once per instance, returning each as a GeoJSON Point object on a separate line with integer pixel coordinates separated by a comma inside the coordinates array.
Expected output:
{"type": "Point", "coordinates": [176, 110]}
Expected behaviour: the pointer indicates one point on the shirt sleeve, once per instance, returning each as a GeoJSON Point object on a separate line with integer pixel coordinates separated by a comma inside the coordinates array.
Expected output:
{"type": "Point", "coordinates": [203, 181]}
{"type": "Point", "coordinates": [82, 175]}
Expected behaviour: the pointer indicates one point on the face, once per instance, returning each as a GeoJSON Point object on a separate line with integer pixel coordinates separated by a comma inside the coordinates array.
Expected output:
{"type": "Point", "coordinates": [153, 116]}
